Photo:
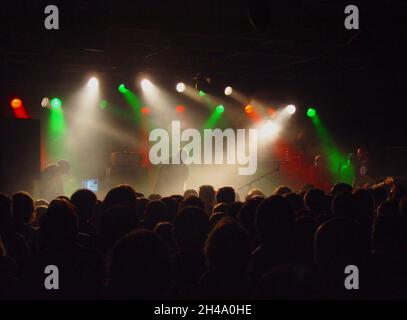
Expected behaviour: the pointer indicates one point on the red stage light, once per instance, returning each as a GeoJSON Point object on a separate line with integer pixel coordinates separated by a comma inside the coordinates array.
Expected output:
{"type": "Point", "coordinates": [249, 109]}
{"type": "Point", "coordinates": [180, 108]}
{"type": "Point", "coordinates": [145, 110]}
{"type": "Point", "coordinates": [16, 103]}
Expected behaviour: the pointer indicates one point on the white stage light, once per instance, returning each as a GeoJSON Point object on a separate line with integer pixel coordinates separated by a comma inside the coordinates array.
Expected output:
{"type": "Point", "coordinates": [228, 90]}
{"type": "Point", "coordinates": [180, 87]}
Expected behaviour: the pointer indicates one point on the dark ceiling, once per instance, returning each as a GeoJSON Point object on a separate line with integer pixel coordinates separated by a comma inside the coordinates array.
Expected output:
{"type": "Point", "coordinates": [294, 40]}
{"type": "Point", "coordinates": [299, 49]}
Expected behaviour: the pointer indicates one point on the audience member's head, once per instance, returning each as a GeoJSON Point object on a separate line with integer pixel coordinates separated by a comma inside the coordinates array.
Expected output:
{"type": "Point", "coordinates": [207, 195]}
{"type": "Point", "coordinates": [296, 202]}
{"type": "Point", "coordinates": [338, 243]}
{"type": "Point", "coordinates": [281, 190]}
{"type": "Point", "coordinates": [215, 219]}
{"type": "Point", "coordinates": [364, 203]}
{"type": "Point", "coordinates": [38, 213]}
{"type": "Point", "coordinates": [344, 205]}
{"type": "Point", "coordinates": [165, 231]}
{"type": "Point", "coordinates": [254, 192]}
{"type": "Point", "coordinates": [122, 195]}
{"type": "Point", "coordinates": [275, 222]}
{"type": "Point", "coordinates": [172, 207]}
{"type": "Point", "coordinates": [139, 267]}
{"type": "Point", "coordinates": [247, 214]}
{"type": "Point", "coordinates": [22, 208]}
{"type": "Point", "coordinates": [59, 224]}
{"type": "Point", "coordinates": [315, 201]}
{"type": "Point", "coordinates": [228, 247]}
{"type": "Point", "coordinates": [190, 229]}
{"type": "Point", "coordinates": [190, 192]}
{"type": "Point", "coordinates": [192, 201]}
{"type": "Point", "coordinates": [5, 211]}
{"type": "Point", "coordinates": [156, 211]}
{"type": "Point", "coordinates": [84, 201]}
{"type": "Point", "coordinates": [234, 209]}
{"type": "Point", "coordinates": [221, 207]}
{"type": "Point", "coordinates": [388, 231]}
{"type": "Point", "coordinates": [340, 188]}
{"type": "Point", "coordinates": [226, 195]}
{"type": "Point", "coordinates": [116, 222]}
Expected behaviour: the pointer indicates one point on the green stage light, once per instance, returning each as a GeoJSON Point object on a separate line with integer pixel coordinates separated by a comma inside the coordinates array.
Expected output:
{"type": "Point", "coordinates": [56, 103]}
{"type": "Point", "coordinates": [220, 109]}
{"type": "Point", "coordinates": [311, 112]}
{"type": "Point", "coordinates": [201, 93]}
{"type": "Point", "coordinates": [122, 88]}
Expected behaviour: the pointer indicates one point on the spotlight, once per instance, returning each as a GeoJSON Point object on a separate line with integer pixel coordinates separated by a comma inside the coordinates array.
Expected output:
{"type": "Point", "coordinates": [249, 109]}
{"type": "Point", "coordinates": [45, 102]}
{"type": "Point", "coordinates": [122, 88]}
{"type": "Point", "coordinates": [180, 87]}
{"type": "Point", "coordinates": [16, 103]}
{"type": "Point", "coordinates": [56, 103]}
{"type": "Point", "coordinates": [146, 84]}
{"type": "Point", "coordinates": [228, 90]}
{"type": "Point", "coordinates": [93, 83]}
{"type": "Point", "coordinates": [311, 112]}
{"type": "Point", "coordinates": [180, 109]}
{"type": "Point", "coordinates": [220, 109]}
{"type": "Point", "coordinates": [291, 109]}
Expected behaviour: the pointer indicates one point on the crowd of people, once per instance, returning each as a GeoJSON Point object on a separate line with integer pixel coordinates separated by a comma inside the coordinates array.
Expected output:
{"type": "Point", "coordinates": [206, 244]}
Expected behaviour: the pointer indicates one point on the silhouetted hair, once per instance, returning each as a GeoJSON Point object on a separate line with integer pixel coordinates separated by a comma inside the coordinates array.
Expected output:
{"type": "Point", "coordinates": [226, 195]}
{"type": "Point", "coordinates": [59, 224]}
{"type": "Point", "coordinates": [156, 211]}
{"type": "Point", "coordinates": [22, 208]}
{"type": "Point", "coordinates": [84, 201]}
{"type": "Point", "coordinates": [228, 246]}
{"type": "Point", "coordinates": [121, 195]}
{"type": "Point", "coordinates": [275, 220]}
{"type": "Point", "coordinates": [192, 201]}
{"type": "Point", "coordinates": [191, 228]}
{"type": "Point", "coordinates": [116, 222]}
{"type": "Point", "coordinates": [140, 266]}
{"type": "Point", "coordinates": [340, 188]}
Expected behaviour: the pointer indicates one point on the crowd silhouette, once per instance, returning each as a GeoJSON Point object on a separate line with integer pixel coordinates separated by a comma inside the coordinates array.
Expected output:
{"type": "Point", "coordinates": [206, 244]}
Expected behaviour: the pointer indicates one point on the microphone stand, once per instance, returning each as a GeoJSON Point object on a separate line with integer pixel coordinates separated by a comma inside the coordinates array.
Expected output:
{"type": "Point", "coordinates": [249, 184]}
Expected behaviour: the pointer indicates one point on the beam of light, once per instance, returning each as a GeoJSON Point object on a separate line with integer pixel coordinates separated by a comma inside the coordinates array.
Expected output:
{"type": "Point", "coordinates": [134, 101]}
{"type": "Point", "coordinates": [211, 122]}
{"type": "Point", "coordinates": [180, 87]}
{"type": "Point", "coordinates": [270, 130]}
{"type": "Point", "coordinates": [228, 91]}
{"type": "Point", "coordinates": [56, 134]}
{"type": "Point", "coordinates": [103, 104]}
{"type": "Point", "coordinates": [331, 152]}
